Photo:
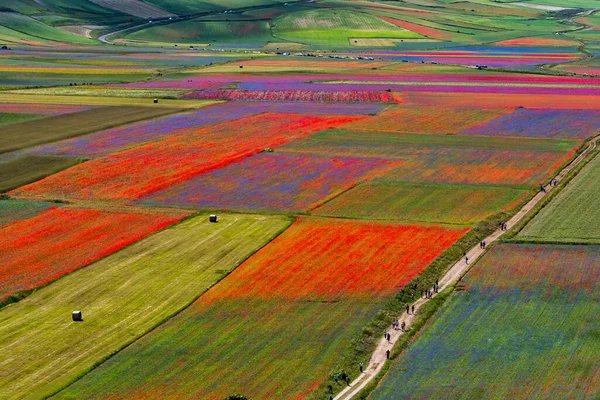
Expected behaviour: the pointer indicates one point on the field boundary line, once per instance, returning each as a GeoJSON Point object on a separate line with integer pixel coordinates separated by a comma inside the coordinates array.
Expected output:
{"type": "Point", "coordinates": [452, 276]}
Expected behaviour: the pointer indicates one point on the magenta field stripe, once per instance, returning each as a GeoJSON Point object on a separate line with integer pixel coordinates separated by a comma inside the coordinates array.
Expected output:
{"type": "Point", "coordinates": [280, 182]}
{"type": "Point", "coordinates": [218, 80]}
{"type": "Point", "coordinates": [345, 96]}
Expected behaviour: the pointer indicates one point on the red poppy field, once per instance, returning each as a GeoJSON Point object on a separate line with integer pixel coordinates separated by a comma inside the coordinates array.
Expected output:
{"type": "Point", "coordinates": [258, 330]}
{"type": "Point", "coordinates": [130, 174]}
{"type": "Point", "coordinates": [45, 247]}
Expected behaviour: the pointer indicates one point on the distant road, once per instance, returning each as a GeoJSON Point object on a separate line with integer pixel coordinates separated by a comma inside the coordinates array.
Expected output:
{"type": "Point", "coordinates": [104, 38]}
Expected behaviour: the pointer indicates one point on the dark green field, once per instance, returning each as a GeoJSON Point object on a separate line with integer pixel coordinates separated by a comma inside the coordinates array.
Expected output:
{"type": "Point", "coordinates": [32, 133]}
{"type": "Point", "coordinates": [28, 169]}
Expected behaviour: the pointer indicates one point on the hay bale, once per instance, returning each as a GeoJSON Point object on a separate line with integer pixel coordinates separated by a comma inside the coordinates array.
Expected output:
{"type": "Point", "coordinates": [212, 218]}
{"type": "Point", "coordinates": [77, 316]}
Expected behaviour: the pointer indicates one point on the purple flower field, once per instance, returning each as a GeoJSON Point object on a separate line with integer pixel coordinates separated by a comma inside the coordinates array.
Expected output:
{"type": "Point", "coordinates": [279, 182]}
{"type": "Point", "coordinates": [546, 123]}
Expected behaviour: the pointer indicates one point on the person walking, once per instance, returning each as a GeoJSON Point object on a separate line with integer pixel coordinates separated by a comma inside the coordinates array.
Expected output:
{"type": "Point", "coordinates": [542, 189]}
{"type": "Point", "coordinates": [387, 354]}
{"type": "Point", "coordinates": [413, 309]}
{"type": "Point", "coordinates": [389, 337]}
{"type": "Point", "coordinates": [348, 380]}
{"type": "Point", "coordinates": [403, 326]}
{"type": "Point", "coordinates": [408, 309]}
{"type": "Point", "coordinates": [361, 367]}
{"type": "Point", "coordinates": [336, 377]}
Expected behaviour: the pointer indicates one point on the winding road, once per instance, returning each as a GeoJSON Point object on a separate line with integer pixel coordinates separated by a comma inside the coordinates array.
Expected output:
{"type": "Point", "coordinates": [451, 277]}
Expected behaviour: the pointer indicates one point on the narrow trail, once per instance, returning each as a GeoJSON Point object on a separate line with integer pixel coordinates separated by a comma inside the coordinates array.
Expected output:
{"type": "Point", "coordinates": [451, 277]}
{"type": "Point", "coordinates": [586, 55]}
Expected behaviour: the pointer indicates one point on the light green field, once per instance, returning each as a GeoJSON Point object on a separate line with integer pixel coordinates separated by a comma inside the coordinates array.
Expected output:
{"type": "Point", "coordinates": [9, 119]}
{"type": "Point", "coordinates": [428, 203]}
{"type": "Point", "coordinates": [335, 27]}
{"type": "Point", "coordinates": [20, 26]}
{"type": "Point", "coordinates": [198, 6]}
{"type": "Point", "coordinates": [122, 297]}
{"type": "Point", "coordinates": [572, 216]}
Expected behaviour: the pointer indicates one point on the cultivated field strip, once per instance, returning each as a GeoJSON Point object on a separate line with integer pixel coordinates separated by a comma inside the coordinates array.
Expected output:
{"type": "Point", "coordinates": [523, 328]}
{"type": "Point", "coordinates": [27, 134]}
{"type": "Point", "coordinates": [121, 297]}
{"type": "Point", "coordinates": [276, 325]}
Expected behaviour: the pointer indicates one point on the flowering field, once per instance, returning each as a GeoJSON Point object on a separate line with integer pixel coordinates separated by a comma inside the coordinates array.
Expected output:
{"type": "Point", "coordinates": [281, 182]}
{"type": "Point", "coordinates": [542, 123]}
{"type": "Point", "coordinates": [420, 119]}
{"type": "Point", "coordinates": [448, 158]}
{"type": "Point", "coordinates": [420, 29]}
{"type": "Point", "coordinates": [478, 166]}
{"type": "Point", "coordinates": [116, 139]}
{"type": "Point", "coordinates": [275, 326]}
{"type": "Point", "coordinates": [491, 100]}
{"type": "Point", "coordinates": [122, 297]}
{"type": "Point", "coordinates": [60, 240]}
{"type": "Point", "coordinates": [526, 321]}
{"type": "Point", "coordinates": [430, 203]}
{"type": "Point", "coordinates": [347, 96]}
{"type": "Point", "coordinates": [136, 172]}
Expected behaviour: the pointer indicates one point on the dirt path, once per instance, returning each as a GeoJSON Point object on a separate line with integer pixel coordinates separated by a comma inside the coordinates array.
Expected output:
{"type": "Point", "coordinates": [378, 358]}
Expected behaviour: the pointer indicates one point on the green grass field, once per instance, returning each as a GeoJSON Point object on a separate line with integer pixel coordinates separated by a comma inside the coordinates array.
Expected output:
{"type": "Point", "coordinates": [572, 216]}
{"type": "Point", "coordinates": [206, 32]}
{"type": "Point", "coordinates": [20, 27]}
{"type": "Point", "coordinates": [9, 119]}
{"type": "Point", "coordinates": [199, 6]}
{"type": "Point", "coordinates": [524, 327]}
{"type": "Point", "coordinates": [428, 203]}
{"type": "Point", "coordinates": [27, 134]}
{"type": "Point", "coordinates": [335, 27]}
{"type": "Point", "coordinates": [27, 169]}
{"type": "Point", "coordinates": [121, 297]}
